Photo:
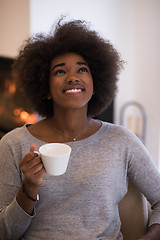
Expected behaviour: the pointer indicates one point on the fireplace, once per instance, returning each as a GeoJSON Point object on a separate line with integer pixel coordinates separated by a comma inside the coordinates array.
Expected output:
{"type": "Point", "coordinates": [15, 109]}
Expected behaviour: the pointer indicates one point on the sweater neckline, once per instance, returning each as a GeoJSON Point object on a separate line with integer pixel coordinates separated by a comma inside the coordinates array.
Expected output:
{"type": "Point", "coordinates": [93, 136]}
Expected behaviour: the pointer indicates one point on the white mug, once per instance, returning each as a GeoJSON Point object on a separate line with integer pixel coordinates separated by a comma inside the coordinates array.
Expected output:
{"type": "Point", "coordinates": [55, 157]}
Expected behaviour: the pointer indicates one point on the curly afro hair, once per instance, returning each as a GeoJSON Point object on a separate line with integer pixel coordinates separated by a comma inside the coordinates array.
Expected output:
{"type": "Point", "coordinates": [33, 65]}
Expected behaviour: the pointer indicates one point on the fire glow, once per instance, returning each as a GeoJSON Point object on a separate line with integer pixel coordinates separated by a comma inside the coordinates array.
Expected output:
{"type": "Point", "coordinates": [15, 109]}
{"type": "Point", "coordinates": [25, 116]}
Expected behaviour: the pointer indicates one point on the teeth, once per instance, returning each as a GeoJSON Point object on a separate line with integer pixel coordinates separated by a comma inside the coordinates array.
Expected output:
{"type": "Point", "coordinates": [73, 90]}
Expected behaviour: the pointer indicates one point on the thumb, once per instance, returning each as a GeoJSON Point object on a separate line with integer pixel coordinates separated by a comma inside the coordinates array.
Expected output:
{"type": "Point", "coordinates": [33, 147]}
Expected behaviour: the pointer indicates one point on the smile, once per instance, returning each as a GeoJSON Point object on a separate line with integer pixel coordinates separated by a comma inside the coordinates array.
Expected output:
{"type": "Point", "coordinates": [74, 90]}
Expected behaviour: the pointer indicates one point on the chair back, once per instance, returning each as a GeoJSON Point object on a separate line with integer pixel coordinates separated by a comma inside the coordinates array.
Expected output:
{"type": "Point", "coordinates": [133, 210]}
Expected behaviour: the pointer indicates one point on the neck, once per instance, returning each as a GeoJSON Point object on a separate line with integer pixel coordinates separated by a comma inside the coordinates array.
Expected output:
{"type": "Point", "coordinates": [70, 123]}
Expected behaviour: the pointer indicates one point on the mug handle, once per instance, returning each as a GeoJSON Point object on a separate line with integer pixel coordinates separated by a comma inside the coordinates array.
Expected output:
{"type": "Point", "coordinates": [38, 154]}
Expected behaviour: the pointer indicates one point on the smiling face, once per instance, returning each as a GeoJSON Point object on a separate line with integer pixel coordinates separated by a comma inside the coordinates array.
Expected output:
{"type": "Point", "coordinates": [71, 83]}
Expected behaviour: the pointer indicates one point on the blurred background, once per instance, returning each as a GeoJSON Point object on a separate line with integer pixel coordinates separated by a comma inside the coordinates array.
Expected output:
{"type": "Point", "coordinates": [133, 26]}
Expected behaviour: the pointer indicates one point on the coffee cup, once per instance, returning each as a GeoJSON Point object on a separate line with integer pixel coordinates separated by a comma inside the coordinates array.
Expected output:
{"type": "Point", "coordinates": [55, 157]}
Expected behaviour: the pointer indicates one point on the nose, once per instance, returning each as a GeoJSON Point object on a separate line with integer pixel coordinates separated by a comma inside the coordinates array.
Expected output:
{"type": "Point", "coordinates": [72, 78]}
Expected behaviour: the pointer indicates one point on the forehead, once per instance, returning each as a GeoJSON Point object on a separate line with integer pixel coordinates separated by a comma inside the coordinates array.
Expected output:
{"type": "Point", "coordinates": [67, 58]}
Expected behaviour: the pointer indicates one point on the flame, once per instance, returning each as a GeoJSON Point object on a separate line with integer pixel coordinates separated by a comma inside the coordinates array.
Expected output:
{"type": "Point", "coordinates": [12, 88]}
{"type": "Point", "coordinates": [17, 112]}
{"type": "Point", "coordinates": [28, 118]}
{"type": "Point", "coordinates": [25, 116]}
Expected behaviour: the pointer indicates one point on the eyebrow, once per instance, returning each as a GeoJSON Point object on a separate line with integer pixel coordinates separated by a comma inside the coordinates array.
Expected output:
{"type": "Point", "coordinates": [63, 64]}
{"type": "Point", "coordinates": [58, 65]}
{"type": "Point", "coordinates": [82, 63]}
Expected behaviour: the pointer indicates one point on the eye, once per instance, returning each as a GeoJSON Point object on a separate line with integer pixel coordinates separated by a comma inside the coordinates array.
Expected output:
{"type": "Point", "coordinates": [83, 69]}
{"type": "Point", "coordinates": [59, 72]}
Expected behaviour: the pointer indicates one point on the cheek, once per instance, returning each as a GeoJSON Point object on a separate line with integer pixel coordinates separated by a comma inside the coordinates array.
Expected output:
{"type": "Point", "coordinates": [54, 86]}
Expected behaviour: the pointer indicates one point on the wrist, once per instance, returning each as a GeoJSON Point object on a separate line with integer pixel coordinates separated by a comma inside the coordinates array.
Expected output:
{"type": "Point", "coordinates": [24, 202]}
{"type": "Point", "coordinates": [34, 199]}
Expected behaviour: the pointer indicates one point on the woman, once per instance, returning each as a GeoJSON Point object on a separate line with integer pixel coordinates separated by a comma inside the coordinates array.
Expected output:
{"type": "Point", "coordinates": [70, 76]}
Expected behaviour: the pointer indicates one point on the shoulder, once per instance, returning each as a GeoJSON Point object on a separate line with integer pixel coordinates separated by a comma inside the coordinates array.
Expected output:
{"type": "Point", "coordinates": [11, 143]}
{"type": "Point", "coordinates": [121, 140]}
{"type": "Point", "coordinates": [14, 135]}
{"type": "Point", "coordinates": [120, 135]}
{"type": "Point", "coordinates": [117, 130]}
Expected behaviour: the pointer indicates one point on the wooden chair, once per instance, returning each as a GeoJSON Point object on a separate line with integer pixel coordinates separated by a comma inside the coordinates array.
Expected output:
{"type": "Point", "coordinates": [133, 210]}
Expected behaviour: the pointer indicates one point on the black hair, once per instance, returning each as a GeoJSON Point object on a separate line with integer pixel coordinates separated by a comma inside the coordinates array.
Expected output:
{"type": "Point", "coordinates": [33, 64]}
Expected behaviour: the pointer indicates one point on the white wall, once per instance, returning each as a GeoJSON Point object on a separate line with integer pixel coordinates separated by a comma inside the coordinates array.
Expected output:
{"type": "Point", "coordinates": [133, 26]}
{"type": "Point", "coordinates": [146, 67]}
{"type": "Point", "coordinates": [14, 25]}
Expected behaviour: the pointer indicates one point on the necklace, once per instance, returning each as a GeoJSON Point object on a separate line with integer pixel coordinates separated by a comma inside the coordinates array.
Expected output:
{"type": "Point", "coordinates": [75, 138]}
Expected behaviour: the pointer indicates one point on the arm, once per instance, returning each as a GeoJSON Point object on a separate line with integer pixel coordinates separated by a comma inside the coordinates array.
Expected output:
{"type": "Point", "coordinates": [13, 213]}
{"type": "Point", "coordinates": [33, 171]}
{"type": "Point", "coordinates": [145, 175]}
{"type": "Point", "coordinates": [153, 233]}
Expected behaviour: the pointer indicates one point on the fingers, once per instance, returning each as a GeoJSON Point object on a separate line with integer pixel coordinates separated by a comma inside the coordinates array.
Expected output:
{"type": "Point", "coordinates": [34, 174]}
{"type": "Point", "coordinates": [27, 158]}
{"type": "Point", "coordinates": [32, 167]}
{"type": "Point", "coordinates": [33, 147]}
{"type": "Point", "coordinates": [31, 163]}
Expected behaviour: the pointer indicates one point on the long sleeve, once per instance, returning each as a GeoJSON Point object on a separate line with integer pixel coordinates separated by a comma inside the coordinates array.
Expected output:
{"type": "Point", "coordinates": [146, 177]}
{"type": "Point", "coordinates": [13, 220]}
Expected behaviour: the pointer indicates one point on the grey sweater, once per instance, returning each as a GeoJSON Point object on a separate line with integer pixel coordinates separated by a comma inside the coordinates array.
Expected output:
{"type": "Point", "coordinates": [82, 204]}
